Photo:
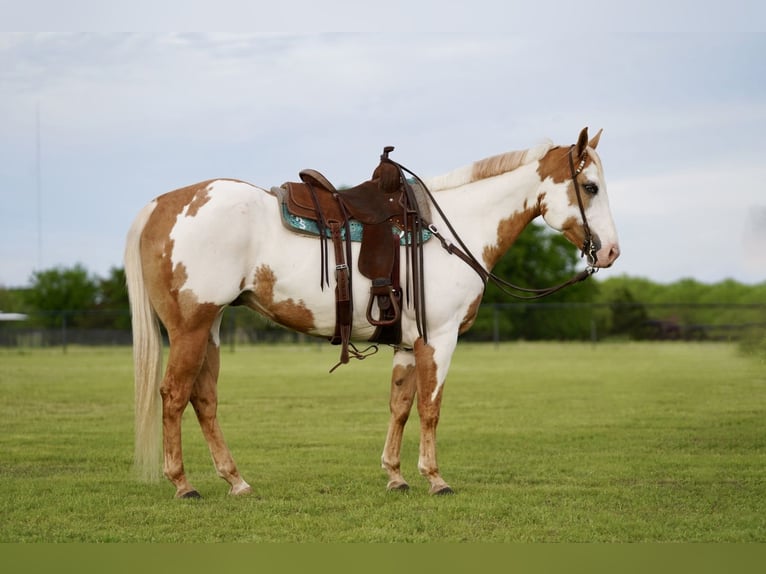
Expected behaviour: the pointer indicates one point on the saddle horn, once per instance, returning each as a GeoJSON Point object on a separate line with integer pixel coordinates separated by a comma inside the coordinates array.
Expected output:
{"type": "Point", "coordinates": [388, 175]}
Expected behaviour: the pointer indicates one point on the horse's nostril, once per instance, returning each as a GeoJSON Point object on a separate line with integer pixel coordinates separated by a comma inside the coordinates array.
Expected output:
{"type": "Point", "coordinates": [614, 253]}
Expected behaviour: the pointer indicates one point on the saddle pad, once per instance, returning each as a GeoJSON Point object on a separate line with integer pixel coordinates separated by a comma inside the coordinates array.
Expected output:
{"type": "Point", "coordinates": [307, 226]}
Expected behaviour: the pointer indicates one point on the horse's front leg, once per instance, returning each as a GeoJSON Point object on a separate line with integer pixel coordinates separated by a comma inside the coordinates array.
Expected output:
{"type": "Point", "coordinates": [403, 387]}
{"type": "Point", "coordinates": [432, 362]}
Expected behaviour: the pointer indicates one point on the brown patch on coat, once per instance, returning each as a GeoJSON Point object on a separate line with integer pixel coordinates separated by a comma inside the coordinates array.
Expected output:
{"type": "Point", "coordinates": [426, 366]}
{"type": "Point", "coordinates": [429, 409]}
{"type": "Point", "coordinates": [555, 165]}
{"type": "Point", "coordinates": [470, 315]}
{"type": "Point", "coordinates": [507, 232]}
{"type": "Point", "coordinates": [201, 197]}
{"type": "Point", "coordinates": [401, 374]}
{"type": "Point", "coordinates": [179, 277]}
{"type": "Point", "coordinates": [177, 308]}
{"type": "Point", "coordinates": [186, 299]}
{"type": "Point", "coordinates": [289, 313]}
{"type": "Point", "coordinates": [574, 232]}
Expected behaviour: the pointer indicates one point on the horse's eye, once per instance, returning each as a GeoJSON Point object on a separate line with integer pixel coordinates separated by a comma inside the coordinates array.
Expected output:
{"type": "Point", "coordinates": [591, 188]}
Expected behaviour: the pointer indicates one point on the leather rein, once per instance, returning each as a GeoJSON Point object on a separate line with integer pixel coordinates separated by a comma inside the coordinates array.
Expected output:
{"type": "Point", "coordinates": [589, 248]}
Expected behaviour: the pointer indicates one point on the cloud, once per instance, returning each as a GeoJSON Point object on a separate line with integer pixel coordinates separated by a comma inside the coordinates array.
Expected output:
{"type": "Point", "coordinates": [754, 240]}
{"type": "Point", "coordinates": [126, 116]}
{"type": "Point", "coordinates": [552, 20]}
{"type": "Point", "coordinates": [688, 223]}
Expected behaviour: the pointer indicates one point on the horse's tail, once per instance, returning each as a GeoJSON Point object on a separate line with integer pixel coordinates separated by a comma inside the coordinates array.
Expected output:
{"type": "Point", "coordinates": [147, 357]}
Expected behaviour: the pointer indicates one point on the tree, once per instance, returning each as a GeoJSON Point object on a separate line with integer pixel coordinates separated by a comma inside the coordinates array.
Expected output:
{"type": "Point", "coordinates": [112, 304]}
{"type": "Point", "coordinates": [11, 300]}
{"type": "Point", "coordinates": [629, 317]}
{"type": "Point", "coordinates": [539, 258]}
{"type": "Point", "coordinates": [60, 290]}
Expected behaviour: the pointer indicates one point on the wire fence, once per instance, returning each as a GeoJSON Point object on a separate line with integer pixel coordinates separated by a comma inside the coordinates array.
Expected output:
{"type": "Point", "coordinates": [494, 323]}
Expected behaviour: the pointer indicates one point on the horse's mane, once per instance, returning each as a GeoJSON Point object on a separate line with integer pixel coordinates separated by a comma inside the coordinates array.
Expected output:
{"type": "Point", "coordinates": [489, 167]}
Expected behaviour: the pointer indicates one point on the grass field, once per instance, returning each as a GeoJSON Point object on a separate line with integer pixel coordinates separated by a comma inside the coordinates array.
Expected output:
{"type": "Point", "coordinates": [542, 442]}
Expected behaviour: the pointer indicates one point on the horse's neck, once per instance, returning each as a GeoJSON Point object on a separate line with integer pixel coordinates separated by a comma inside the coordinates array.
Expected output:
{"type": "Point", "coordinates": [489, 214]}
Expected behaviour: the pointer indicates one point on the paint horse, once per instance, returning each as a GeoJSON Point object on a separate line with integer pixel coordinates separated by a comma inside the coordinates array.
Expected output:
{"type": "Point", "coordinates": [192, 252]}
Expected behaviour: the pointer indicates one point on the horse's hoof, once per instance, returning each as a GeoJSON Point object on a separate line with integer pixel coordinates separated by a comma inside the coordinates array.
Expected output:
{"type": "Point", "coordinates": [398, 487]}
{"type": "Point", "coordinates": [241, 489]}
{"type": "Point", "coordinates": [442, 491]}
{"type": "Point", "coordinates": [190, 494]}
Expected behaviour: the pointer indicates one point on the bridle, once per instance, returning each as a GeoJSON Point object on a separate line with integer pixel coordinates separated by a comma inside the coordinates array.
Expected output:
{"type": "Point", "coordinates": [589, 248]}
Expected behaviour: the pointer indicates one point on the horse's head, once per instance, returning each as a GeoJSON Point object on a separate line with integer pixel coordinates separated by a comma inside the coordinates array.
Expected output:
{"type": "Point", "coordinates": [573, 199]}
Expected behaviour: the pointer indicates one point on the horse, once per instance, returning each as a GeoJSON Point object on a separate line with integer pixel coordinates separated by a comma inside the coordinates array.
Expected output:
{"type": "Point", "coordinates": [194, 251]}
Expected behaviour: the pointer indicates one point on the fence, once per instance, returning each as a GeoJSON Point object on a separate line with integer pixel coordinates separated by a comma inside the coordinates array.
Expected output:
{"type": "Point", "coordinates": [597, 321]}
{"type": "Point", "coordinates": [495, 322]}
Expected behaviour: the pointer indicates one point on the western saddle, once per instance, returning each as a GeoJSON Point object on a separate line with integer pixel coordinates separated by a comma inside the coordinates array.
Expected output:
{"type": "Point", "coordinates": [388, 209]}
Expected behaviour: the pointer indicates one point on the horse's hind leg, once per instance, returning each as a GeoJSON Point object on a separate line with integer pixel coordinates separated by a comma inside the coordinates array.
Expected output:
{"type": "Point", "coordinates": [187, 353]}
{"type": "Point", "coordinates": [403, 387]}
{"type": "Point", "coordinates": [204, 399]}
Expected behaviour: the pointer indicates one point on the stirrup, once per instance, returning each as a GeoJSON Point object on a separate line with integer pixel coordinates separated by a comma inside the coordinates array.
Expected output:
{"type": "Point", "coordinates": [382, 292]}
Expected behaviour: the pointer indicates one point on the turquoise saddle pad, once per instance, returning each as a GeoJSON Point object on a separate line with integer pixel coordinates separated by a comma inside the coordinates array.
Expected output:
{"type": "Point", "coordinates": [310, 227]}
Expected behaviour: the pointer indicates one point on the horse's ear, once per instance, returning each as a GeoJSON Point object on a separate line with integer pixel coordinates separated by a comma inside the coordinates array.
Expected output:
{"type": "Point", "coordinates": [582, 143]}
{"type": "Point", "coordinates": [594, 140]}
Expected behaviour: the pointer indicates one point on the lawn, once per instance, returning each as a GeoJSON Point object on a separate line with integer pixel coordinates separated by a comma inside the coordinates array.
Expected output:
{"type": "Point", "coordinates": [542, 442]}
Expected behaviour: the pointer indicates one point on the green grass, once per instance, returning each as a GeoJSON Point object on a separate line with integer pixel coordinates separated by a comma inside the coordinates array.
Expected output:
{"type": "Point", "coordinates": [542, 442]}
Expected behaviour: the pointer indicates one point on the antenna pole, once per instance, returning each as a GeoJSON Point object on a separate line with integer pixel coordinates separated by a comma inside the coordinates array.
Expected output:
{"type": "Point", "coordinates": [38, 185]}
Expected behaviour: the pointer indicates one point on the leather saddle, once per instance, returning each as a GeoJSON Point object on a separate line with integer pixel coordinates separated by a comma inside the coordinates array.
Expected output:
{"type": "Point", "coordinates": [381, 205]}
{"type": "Point", "coordinates": [371, 202]}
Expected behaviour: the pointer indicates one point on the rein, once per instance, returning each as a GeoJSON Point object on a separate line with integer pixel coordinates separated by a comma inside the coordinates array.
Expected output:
{"type": "Point", "coordinates": [588, 249]}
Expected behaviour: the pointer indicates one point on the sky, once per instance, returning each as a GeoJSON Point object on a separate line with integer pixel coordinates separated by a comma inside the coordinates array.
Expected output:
{"type": "Point", "coordinates": [95, 125]}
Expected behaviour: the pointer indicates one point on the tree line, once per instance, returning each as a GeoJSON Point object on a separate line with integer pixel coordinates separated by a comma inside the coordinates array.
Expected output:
{"type": "Point", "coordinates": [617, 306]}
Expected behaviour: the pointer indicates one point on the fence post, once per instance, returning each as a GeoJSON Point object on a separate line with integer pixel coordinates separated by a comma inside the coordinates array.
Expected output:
{"type": "Point", "coordinates": [63, 332]}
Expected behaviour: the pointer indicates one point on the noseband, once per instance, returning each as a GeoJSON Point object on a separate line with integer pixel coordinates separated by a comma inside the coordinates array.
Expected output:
{"type": "Point", "coordinates": [590, 245]}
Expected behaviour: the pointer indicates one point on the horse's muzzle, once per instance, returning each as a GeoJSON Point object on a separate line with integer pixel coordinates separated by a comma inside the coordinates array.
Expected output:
{"type": "Point", "coordinates": [607, 255]}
